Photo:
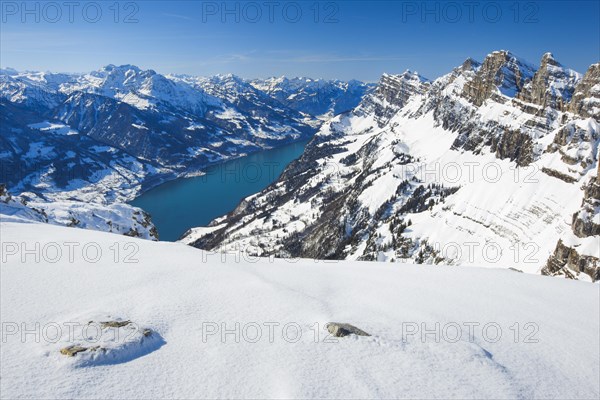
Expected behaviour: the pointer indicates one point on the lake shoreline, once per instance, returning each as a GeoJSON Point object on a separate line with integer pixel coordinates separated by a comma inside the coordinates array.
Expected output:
{"type": "Point", "coordinates": [155, 192]}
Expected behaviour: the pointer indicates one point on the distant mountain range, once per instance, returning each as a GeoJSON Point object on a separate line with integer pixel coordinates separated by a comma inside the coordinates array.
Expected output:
{"type": "Point", "coordinates": [318, 97]}
{"type": "Point", "coordinates": [103, 137]}
{"type": "Point", "coordinates": [493, 164]}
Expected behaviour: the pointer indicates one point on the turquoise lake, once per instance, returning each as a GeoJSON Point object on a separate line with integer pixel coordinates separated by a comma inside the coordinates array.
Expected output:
{"type": "Point", "coordinates": [178, 205]}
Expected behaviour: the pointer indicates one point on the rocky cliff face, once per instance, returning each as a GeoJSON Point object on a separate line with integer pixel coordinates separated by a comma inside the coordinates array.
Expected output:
{"type": "Point", "coordinates": [391, 94]}
{"type": "Point", "coordinates": [552, 85]}
{"type": "Point", "coordinates": [566, 261]}
{"type": "Point", "coordinates": [501, 73]}
{"type": "Point", "coordinates": [586, 99]}
{"type": "Point", "coordinates": [586, 222]}
{"type": "Point", "coordinates": [486, 157]}
{"type": "Point", "coordinates": [506, 79]}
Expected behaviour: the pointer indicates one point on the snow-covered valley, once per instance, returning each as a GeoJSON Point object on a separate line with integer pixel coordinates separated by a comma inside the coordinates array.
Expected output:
{"type": "Point", "coordinates": [500, 333]}
{"type": "Point", "coordinates": [102, 138]}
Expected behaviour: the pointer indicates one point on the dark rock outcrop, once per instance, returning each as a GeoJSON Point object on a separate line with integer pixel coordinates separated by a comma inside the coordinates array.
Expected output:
{"type": "Point", "coordinates": [500, 71]}
{"type": "Point", "coordinates": [568, 262]}
{"type": "Point", "coordinates": [514, 145]}
{"type": "Point", "coordinates": [586, 99]}
{"type": "Point", "coordinates": [71, 351]}
{"type": "Point", "coordinates": [342, 329]}
{"type": "Point", "coordinates": [392, 93]}
{"type": "Point", "coordinates": [552, 85]}
{"type": "Point", "coordinates": [583, 224]}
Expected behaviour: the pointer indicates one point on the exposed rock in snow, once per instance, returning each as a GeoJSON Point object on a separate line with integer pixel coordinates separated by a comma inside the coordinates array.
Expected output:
{"type": "Point", "coordinates": [567, 261]}
{"type": "Point", "coordinates": [96, 343]}
{"type": "Point", "coordinates": [340, 330]}
{"type": "Point", "coordinates": [391, 94]}
{"type": "Point", "coordinates": [586, 99]}
{"type": "Point", "coordinates": [501, 74]}
{"type": "Point", "coordinates": [552, 85]}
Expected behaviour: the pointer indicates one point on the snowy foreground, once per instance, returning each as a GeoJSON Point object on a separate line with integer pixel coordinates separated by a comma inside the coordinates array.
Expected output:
{"type": "Point", "coordinates": [180, 300]}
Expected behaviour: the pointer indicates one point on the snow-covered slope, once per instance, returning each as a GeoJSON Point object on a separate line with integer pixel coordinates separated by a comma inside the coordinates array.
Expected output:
{"type": "Point", "coordinates": [495, 163]}
{"type": "Point", "coordinates": [115, 218]}
{"type": "Point", "coordinates": [180, 300]}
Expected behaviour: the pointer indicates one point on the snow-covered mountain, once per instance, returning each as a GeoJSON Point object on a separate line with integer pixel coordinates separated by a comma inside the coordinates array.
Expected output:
{"type": "Point", "coordinates": [115, 218]}
{"type": "Point", "coordinates": [133, 318]}
{"type": "Point", "coordinates": [318, 97]}
{"type": "Point", "coordinates": [103, 137]}
{"type": "Point", "coordinates": [143, 89]}
{"type": "Point", "coordinates": [166, 121]}
{"type": "Point", "coordinates": [492, 164]}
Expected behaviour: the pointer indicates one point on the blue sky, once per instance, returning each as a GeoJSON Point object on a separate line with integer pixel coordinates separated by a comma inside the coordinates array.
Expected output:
{"type": "Point", "coordinates": [342, 39]}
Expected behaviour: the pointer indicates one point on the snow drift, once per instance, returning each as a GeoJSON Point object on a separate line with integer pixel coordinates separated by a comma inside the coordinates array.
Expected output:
{"type": "Point", "coordinates": [237, 327]}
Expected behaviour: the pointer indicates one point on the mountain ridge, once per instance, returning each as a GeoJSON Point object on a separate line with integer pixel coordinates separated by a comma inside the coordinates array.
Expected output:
{"type": "Point", "coordinates": [362, 190]}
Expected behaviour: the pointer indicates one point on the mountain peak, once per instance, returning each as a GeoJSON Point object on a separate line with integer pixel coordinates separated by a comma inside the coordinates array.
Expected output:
{"type": "Point", "coordinates": [411, 76]}
{"type": "Point", "coordinates": [229, 77]}
{"type": "Point", "coordinates": [508, 56]}
{"type": "Point", "coordinates": [585, 98]}
{"type": "Point", "coordinates": [124, 66]}
{"type": "Point", "coordinates": [548, 59]}
{"type": "Point", "coordinates": [548, 56]}
{"type": "Point", "coordinates": [406, 75]}
{"type": "Point", "coordinates": [8, 71]}
{"type": "Point", "coordinates": [469, 64]}
{"type": "Point", "coordinates": [501, 70]}
{"type": "Point", "coordinates": [123, 69]}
